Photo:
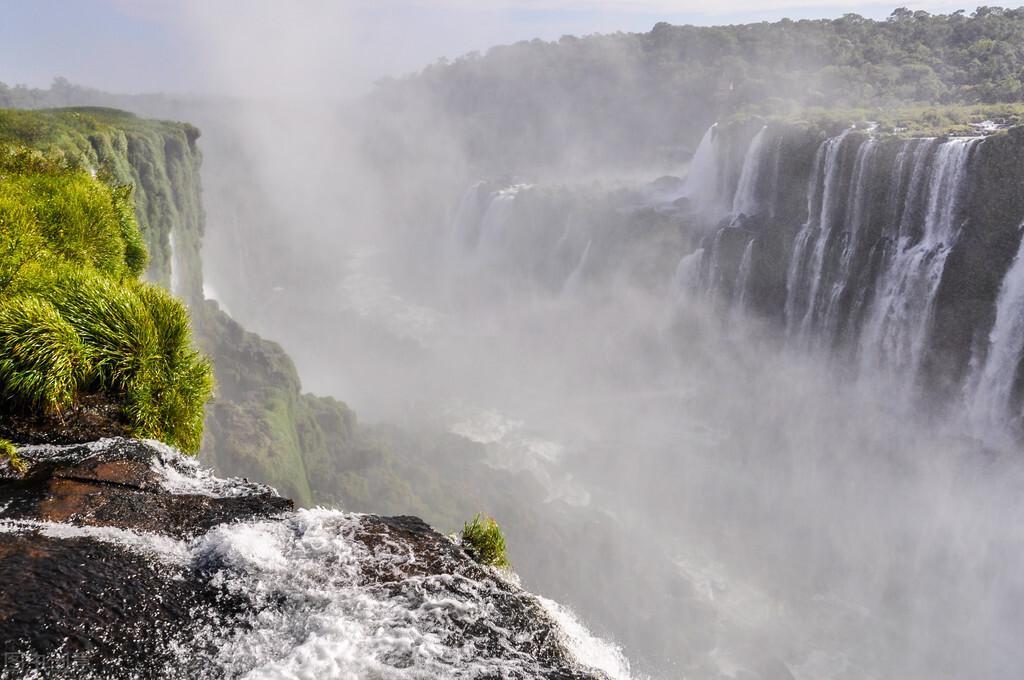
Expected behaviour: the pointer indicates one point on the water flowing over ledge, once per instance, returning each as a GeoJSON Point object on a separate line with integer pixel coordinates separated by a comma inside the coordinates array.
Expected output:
{"type": "Point", "coordinates": [891, 253]}
{"type": "Point", "coordinates": [131, 557]}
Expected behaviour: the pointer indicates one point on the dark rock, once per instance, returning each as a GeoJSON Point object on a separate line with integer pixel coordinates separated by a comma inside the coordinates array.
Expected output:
{"type": "Point", "coordinates": [94, 416]}
{"type": "Point", "coordinates": [107, 571]}
{"type": "Point", "coordinates": [118, 483]}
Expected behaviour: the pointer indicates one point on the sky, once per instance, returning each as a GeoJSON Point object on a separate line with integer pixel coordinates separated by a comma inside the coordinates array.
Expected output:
{"type": "Point", "coordinates": [164, 45]}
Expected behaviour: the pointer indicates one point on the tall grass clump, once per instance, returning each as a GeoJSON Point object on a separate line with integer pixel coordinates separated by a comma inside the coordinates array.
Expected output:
{"type": "Point", "coordinates": [484, 541]}
{"type": "Point", "coordinates": [42, 358]}
{"type": "Point", "coordinates": [74, 318]}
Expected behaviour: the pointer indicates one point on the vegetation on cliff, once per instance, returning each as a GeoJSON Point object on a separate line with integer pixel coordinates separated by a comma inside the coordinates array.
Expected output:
{"type": "Point", "coordinates": [75, 319]}
{"type": "Point", "coordinates": [483, 540]}
{"type": "Point", "coordinates": [158, 159]}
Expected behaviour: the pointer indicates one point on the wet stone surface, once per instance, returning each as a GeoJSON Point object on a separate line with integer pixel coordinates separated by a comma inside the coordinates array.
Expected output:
{"type": "Point", "coordinates": [123, 559]}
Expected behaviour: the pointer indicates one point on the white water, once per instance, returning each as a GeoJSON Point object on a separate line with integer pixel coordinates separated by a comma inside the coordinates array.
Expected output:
{"type": "Point", "coordinates": [992, 386]}
{"type": "Point", "coordinates": [745, 200]}
{"type": "Point", "coordinates": [176, 265]}
{"type": "Point", "coordinates": [316, 616]}
{"type": "Point", "coordinates": [687, 274]}
{"type": "Point", "coordinates": [313, 613]}
{"type": "Point", "coordinates": [703, 178]}
{"type": "Point", "coordinates": [818, 229]}
{"type": "Point", "coordinates": [743, 276]}
{"type": "Point", "coordinates": [898, 322]}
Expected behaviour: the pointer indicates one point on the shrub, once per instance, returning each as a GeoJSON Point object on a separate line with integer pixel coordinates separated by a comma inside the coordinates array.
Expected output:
{"type": "Point", "coordinates": [139, 341]}
{"type": "Point", "coordinates": [483, 540]}
{"type": "Point", "coordinates": [42, 359]}
{"type": "Point", "coordinates": [183, 380]}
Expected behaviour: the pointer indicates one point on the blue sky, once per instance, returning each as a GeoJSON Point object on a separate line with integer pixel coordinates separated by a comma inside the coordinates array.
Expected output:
{"type": "Point", "coordinates": [171, 45]}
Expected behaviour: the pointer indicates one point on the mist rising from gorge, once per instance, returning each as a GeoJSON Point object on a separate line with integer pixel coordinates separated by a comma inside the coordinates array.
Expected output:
{"type": "Point", "coordinates": [774, 510]}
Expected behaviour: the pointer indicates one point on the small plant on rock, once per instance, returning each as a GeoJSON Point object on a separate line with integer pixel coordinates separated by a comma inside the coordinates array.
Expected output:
{"type": "Point", "coordinates": [483, 540]}
{"type": "Point", "coordinates": [9, 453]}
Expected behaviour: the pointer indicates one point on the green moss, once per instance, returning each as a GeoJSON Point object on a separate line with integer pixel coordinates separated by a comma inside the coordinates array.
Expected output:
{"type": "Point", "coordinates": [9, 453]}
{"type": "Point", "coordinates": [483, 540]}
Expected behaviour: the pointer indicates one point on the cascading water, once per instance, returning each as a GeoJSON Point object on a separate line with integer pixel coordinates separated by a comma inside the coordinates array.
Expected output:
{"type": "Point", "coordinates": [497, 217]}
{"type": "Point", "coordinates": [317, 593]}
{"type": "Point", "coordinates": [864, 272]}
{"type": "Point", "coordinates": [992, 387]}
{"type": "Point", "coordinates": [829, 284]}
{"type": "Point", "coordinates": [572, 282]}
{"type": "Point", "coordinates": [744, 275]}
{"type": "Point", "coordinates": [745, 201]}
{"type": "Point", "coordinates": [703, 186]}
{"type": "Point", "coordinates": [807, 262]}
{"type": "Point", "coordinates": [858, 209]}
{"type": "Point", "coordinates": [897, 330]}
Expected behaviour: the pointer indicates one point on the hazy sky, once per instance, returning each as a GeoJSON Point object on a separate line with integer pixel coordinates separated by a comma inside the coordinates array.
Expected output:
{"type": "Point", "coordinates": [159, 45]}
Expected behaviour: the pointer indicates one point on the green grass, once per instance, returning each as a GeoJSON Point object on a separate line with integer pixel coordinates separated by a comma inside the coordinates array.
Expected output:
{"type": "Point", "coordinates": [483, 540]}
{"type": "Point", "coordinates": [151, 166]}
{"type": "Point", "coordinates": [74, 318]}
{"type": "Point", "coordinates": [42, 358]}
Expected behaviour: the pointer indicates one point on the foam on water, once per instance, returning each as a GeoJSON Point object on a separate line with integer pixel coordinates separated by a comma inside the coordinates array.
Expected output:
{"type": "Point", "coordinates": [322, 604]}
{"type": "Point", "coordinates": [161, 547]}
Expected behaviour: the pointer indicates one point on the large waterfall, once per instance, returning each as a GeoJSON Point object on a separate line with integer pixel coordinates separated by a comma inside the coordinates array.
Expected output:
{"type": "Point", "coordinates": [677, 357]}
{"type": "Point", "coordinates": [992, 386]}
{"type": "Point", "coordinates": [866, 272]}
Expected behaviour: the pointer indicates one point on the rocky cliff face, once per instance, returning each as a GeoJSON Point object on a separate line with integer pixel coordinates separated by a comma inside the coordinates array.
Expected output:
{"type": "Point", "coordinates": [124, 558]}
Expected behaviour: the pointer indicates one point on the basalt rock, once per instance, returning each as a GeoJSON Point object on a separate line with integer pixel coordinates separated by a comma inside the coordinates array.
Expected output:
{"type": "Point", "coordinates": [121, 558]}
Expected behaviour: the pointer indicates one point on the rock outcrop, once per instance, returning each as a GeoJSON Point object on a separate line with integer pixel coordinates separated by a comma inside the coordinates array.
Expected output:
{"type": "Point", "coordinates": [122, 558]}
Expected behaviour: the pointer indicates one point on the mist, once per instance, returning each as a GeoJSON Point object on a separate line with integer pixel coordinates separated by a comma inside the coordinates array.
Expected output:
{"type": "Point", "coordinates": [720, 500]}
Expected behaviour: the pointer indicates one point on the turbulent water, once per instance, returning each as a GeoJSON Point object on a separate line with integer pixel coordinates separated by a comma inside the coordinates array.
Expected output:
{"type": "Point", "coordinates": [323, 593]}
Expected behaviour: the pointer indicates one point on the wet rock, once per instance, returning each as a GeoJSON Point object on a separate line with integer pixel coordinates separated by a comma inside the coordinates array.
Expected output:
{"type": "Point", "coordinates": [94, 416]}
{"type": "Point", "coordinates": [121, 558]}
{"type": "Point", "coordinates": [120, 483]}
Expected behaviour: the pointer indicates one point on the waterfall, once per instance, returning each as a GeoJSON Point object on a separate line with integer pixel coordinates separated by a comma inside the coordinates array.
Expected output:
{"type": "Point", "coordinates": [899, 318]}
{"type": "Point", "coordinates": [859, 207]}
{"type": "Point", "coordinates": [687, 275]}
{"type": "Point", "coordinates": [829, 284]}
{"type": "Point", "coordinates": [992, 400]}
{"type": "Point", "coordinates": [743, 277]}
{"type": "Point", "coordinates": [804, 276]}
{"type": "Point", "coordinates": [572, 282]}
{"type": "Point", "coordinates": [497, 216]}
{"type": "Point", "coordinates": [702, 186]}
{"type": "Point", "coordinates": [745, 200]}
{"type": "Point", "coordinates": [465, 224]}
{"type": "Point", "coordinates": [176, 265]}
